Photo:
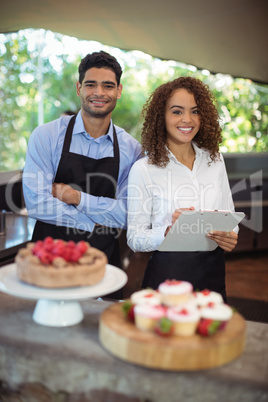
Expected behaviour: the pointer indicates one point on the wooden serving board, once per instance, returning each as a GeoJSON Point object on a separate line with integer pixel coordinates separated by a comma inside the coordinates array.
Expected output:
{"type": "Point", "coordinates": [121, 337]}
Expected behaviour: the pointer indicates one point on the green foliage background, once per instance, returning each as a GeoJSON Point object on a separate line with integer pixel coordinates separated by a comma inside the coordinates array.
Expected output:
{"type": "Point", "coordinates": [242, 104]}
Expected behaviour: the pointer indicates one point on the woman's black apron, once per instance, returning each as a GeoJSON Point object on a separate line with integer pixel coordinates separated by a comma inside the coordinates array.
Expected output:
{"type": "Point", "coordinates": [93, 176]}
{"type": "Point", "coordinates": [204, 269]}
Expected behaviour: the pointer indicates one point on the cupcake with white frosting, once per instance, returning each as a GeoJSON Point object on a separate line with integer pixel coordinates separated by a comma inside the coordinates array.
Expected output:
{"type": "Point", "coordinates": [216, 314]}
{"type": "Point", "coordinates": [206, 297]}
{"type": "Point", "coordinates": [146, 296]}
{"type": "Point", "coordinates": [175, 292]}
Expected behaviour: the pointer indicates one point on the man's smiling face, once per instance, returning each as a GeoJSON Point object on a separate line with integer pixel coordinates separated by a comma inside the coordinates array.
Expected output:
{"type": "Point", "coordinates": [99, 92]}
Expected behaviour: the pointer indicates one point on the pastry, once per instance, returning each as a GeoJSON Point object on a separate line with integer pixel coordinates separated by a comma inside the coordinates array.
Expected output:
{"type": "Point", "coordinates": [185, 319]}
{"type": "Point", "coordinates": [146, 316]}
{"type": "Point", "coordinates": [58, 264]}
{"type": "Point", "coordinates": [205, 297]}
{"type": "Point", "coordinates": [214, 318]}
{"type": "Point", "coordinates": [175, 292]}
{"type": "Point", "coordinates": [146, 296]}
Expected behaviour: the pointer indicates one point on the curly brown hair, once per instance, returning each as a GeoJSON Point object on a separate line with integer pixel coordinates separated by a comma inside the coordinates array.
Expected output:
{"type": "Point", "coordinates": [154, 135]}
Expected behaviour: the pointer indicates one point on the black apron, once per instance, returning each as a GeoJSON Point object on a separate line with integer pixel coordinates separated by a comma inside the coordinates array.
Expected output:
{"type": "Point", "coordinates": [92, 176]}
{"type": "Point", "coordinates": [204, 269]}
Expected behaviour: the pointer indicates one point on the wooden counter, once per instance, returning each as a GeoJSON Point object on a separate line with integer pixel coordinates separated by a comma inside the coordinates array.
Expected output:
{"type": "Point", "coordinates": [70, 362]}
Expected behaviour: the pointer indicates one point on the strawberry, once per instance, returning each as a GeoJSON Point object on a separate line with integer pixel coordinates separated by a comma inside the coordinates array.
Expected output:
{"type": "Point", "coordinates": [164, 327]}
{"type": "Point", "coordinates": [44, 257]}
{"type": "Point", "coordinates": [37, 247]}
{"type": "Point", "coordinates": [75, 255]}
{"type": "Point", "coordinates": [48, 249]}
{"type": "Point", "coordinates": [82, 246]}
{"type": "Point", "coordinates": [71, 244]}
{"type": "Point", "coordinates": [172, 282]}
{"type": "Point", "coordinates": [58, 249]}
{"type": "Point", "coordinates": [205, 292]}
{"type": "Point", "coordinates": [48, 242]}
{"type": "Point", "coordinates": [67, 254]}
{"type": "Point", "coordinates": [128, 310]}
{"type": "Point", "coordinates": [207, 327]}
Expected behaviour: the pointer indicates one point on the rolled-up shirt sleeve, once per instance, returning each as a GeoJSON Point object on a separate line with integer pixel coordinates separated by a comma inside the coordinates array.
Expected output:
{"type": "Point", "coordinates": [38, 175]}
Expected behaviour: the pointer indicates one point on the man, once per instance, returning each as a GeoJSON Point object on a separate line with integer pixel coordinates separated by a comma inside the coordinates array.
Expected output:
{"type": "Point", "coordinates": [76, 170]}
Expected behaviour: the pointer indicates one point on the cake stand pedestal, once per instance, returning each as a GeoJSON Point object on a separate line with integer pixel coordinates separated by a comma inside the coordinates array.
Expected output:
{"type": "Point", "coordinates": [60, 307]}
{"type": "Point", "coordinates": [56, 313]}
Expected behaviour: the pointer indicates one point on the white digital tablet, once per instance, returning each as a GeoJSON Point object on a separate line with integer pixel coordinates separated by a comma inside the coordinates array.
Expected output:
{"type": "Point", "coordinates": [190, 230]}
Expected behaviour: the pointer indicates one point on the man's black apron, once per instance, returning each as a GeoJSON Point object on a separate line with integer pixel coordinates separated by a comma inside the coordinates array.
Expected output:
{"type": "Point", "coordinates": [204, 269]}
{"type": "Point", "coordinates": [97, 177]}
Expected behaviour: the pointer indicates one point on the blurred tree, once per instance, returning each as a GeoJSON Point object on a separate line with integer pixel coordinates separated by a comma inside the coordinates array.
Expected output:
{"type": "Point", "coordinates": [18, 104]}
{"type": "Point", "coordinates": [242, 104]}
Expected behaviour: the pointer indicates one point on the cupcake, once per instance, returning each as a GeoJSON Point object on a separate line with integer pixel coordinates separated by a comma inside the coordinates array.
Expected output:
{"type": "Point", "coordinates": [146, 316]}
{"type": "Point", "coordinates": [146, 296]}
{"type": "Point", "coordinates": [205, 297]}
{"type": "Point", "coordinates": [214, 318]}
{"type": "Point", "coordinates": [185, 319]}
{"type": "Point", "coordinates": [175, 292]}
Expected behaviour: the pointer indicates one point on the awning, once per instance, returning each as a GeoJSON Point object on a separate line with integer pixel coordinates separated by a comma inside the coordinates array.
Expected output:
{"type": "Point", "coordinates": [228, 36]}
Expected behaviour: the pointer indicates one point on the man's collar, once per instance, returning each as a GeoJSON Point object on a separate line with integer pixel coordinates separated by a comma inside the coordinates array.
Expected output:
{"type": "Point", "coordinates": [79, 127]}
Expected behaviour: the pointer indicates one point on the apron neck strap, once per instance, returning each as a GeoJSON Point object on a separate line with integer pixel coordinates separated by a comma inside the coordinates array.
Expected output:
{"type": "Point", "coordinates": [69, 133]}
{"type": "Point", "coordinates": [116, 146]}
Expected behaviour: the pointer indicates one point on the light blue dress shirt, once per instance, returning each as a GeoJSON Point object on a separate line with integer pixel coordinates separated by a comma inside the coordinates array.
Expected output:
{"type": "Point", "coordinates": [42, 160]}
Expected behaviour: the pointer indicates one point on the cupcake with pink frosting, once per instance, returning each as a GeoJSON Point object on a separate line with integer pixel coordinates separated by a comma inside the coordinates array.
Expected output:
{"type": "Point", "coordinates": [146, 316]}
{"type": "Point", "coordinates": [185, 319]}
{"type": "Point", "coordinates": [175, 292]}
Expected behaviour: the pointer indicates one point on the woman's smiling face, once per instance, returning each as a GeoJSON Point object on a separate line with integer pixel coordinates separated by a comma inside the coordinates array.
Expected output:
{"type": "Point", "coordinates": [182, 117]}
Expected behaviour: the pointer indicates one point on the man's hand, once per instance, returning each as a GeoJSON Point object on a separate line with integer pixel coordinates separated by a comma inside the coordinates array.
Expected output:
{"type": "Point", "coordinates": [66, 193]}
{"type": "Point", "coordinates": [226, 240]}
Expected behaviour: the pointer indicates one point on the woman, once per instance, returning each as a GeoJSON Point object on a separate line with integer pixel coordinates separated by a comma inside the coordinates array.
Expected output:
{"type": "Point", "coordinates": [182, 170]}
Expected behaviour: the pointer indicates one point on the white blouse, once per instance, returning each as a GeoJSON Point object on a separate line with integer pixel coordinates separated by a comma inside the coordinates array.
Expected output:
{"type": "Point", "coordinates": [154, 193]}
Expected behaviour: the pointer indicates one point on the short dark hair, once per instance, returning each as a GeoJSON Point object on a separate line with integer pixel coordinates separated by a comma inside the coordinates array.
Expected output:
{"type": "Point", "coordinates": [99, 60]}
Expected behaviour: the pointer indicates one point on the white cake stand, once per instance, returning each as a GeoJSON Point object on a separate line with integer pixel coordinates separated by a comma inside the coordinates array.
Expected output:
{"type": "Point", "coordinates": [60, 307]}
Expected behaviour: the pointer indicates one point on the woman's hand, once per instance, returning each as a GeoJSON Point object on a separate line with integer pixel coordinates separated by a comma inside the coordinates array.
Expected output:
{"type": "Point", "coordinates": [175, 216]}
{"type": "Point", "coordinates": [226, 240]}
{"type": "Point", "coordinates": [178, 212]}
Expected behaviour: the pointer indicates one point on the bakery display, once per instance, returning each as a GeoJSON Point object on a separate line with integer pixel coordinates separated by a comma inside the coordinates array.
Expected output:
{"type": "Point", "coordinates": [53, 263]}
{"type": "Point", "coordinates": [160, 348]}
{"type": "Point", "coordinates": [175, 309]}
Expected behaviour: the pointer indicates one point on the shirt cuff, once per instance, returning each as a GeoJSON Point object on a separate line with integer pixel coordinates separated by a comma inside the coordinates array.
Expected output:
{"type": "Point", "coordinates": [88, 203]}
